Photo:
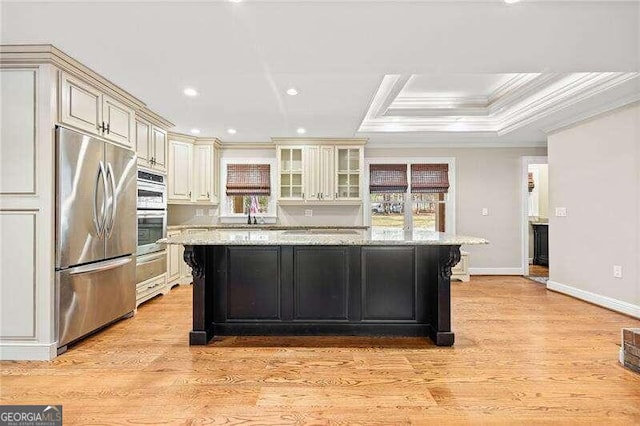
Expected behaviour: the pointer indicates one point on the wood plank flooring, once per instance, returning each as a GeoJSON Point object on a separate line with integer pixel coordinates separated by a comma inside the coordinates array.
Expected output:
{"type": "Point", "coordinates": [522, 354]}
{"type": "Point", "coordinates": [538, 271]}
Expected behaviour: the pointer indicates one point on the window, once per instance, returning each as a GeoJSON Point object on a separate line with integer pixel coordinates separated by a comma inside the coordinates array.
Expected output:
{"type": "Point", "coordinates": [248, 190]}
{"type": "Point", "coordinates": [396, 206]}
{"type": "Point", "coordinates": [245, 204]}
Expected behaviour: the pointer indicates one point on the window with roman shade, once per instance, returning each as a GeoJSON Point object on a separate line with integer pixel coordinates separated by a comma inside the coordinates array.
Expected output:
{"type": "Point", "coordinates": [248, 179]}
{"type": "Point", "coordinates": [388, 178]}
{"type": "Point", "coordinates": [429, 178]}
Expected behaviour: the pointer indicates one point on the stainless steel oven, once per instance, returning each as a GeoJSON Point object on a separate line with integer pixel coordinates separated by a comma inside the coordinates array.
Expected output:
{"type": "Point", "coordinates": [152, 225]}
{"type": "Point", "coordinates": [152, 212]}
{"type": "Point", "coordinates": [152, 191]}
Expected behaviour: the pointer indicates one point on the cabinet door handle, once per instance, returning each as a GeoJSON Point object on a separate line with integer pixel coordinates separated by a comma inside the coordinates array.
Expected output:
{"type": "Point", "coordinates": [208, 194]}
{"type": "Point", "coordinates": [107, 128]}
{"type": "Point", "coordinates": [336, 195]}
{"type": "Point", "coordinates": [189, 194]}
{"type": "Point", "coordinates": [101, 128]}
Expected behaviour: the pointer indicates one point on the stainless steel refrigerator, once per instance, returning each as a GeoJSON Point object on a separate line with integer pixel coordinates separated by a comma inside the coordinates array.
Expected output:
{"type": "Point", "coordinates": [95, 234]}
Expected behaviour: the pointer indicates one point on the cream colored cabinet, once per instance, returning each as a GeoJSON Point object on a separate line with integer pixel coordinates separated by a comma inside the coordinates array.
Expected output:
{"type": "Point", "coordinates": [174, 260]}
{"type": "Point", "coordinates": [180, 171]}
{"type": "Point", "coordinates": [348, 172]}
{"type": "Point", "coordinates": [461, 270]}
{"type": "Point", "coordinates": [159, 144]}
{"type": "Point", "coordinates": [118, 121]}
{"type": "Point", "coordinates": [204, 173]}
{"type": "Point", "coordinates": [193, 171]}
{"type": "Point", "coordinates": [143, 143]}
{"type": "Point", "coordinates": [291, 173]}
{"type": "Point", "coordinates": [151, 146]}
{"type": "Point", "coordinates": [88, 109]}
{"type": "Point", "coordinates": [320, 173]}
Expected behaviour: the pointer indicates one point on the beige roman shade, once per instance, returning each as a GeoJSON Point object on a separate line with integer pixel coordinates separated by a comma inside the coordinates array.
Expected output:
{"type": "Point", "coordinates": [248, 179]}
{"type": "Point", "coordinates": [429, 178]}
{"type": "Point", "coordinates": [388, 178]}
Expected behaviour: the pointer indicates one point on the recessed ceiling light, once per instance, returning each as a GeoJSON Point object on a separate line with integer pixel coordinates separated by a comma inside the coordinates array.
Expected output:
{"type": "Point", "coordinates": [292, 91]}
{"type": "Point", "coordinates": [190, 91]}
{"type": "Point", "coordinates": [195, 131]}
{"type": "Point", "coordinates": [232, 131]}
{"type": "Point", "coordinates": [301, 130]}
{"type": "Point", "coordinates": [235, 1]}
{"type": "Point", "coordinates": [511, 1]}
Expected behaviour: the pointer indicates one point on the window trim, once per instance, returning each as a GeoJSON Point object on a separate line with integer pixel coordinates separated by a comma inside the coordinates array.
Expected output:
{"type": "Point", "coordinates": [228, 217]}
{"type": "Point", "coordinates": [450, 214]}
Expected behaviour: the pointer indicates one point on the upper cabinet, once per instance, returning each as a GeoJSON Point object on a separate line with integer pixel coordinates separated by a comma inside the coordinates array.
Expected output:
{"type": "Point", "coordinates": [291, 172]}
{"type": "Point", "coordinates": [193, 170]}
{"type": "Point", "coordinates": [151, 146]}
{"type": "Point", "coordinates": [86, 108]}
{"type": "Point", "coordinates": [320, 171]}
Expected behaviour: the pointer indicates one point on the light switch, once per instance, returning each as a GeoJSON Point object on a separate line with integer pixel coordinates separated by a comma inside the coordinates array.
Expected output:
{"type": "Point", "coordinates": [199, 212]}
{"type": "Point", "coordinates": [308, 212]}
{"type": "Point", "coordinates": [561, 211]}
{"type": "Point", "coordinates": [212, 212]}
{"type": "Point", "coordinates": [485, 211]}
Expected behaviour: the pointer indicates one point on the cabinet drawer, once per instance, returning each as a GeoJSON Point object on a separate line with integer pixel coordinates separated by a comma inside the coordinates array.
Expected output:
{"type": "Point", "coordinates": [151, 266]}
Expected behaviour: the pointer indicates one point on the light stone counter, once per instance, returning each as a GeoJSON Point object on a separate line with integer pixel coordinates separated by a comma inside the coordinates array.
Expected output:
{"type": "Point", "coordinates": [272, 227]}
{"type": "Point", "coordinates": [318, 237]}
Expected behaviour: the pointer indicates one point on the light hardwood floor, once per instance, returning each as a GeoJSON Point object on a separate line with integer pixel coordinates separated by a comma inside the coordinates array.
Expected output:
{"type": "Point", "coordinates": [522, 354]}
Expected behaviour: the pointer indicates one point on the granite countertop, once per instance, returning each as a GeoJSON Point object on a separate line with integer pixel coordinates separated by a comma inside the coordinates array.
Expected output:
{"type": "Point", "coordinates": [317, 237]}
{"type": "Point", "coordinates": [540, 223]}
{"type": "Point", "coordinates": [267, 226]}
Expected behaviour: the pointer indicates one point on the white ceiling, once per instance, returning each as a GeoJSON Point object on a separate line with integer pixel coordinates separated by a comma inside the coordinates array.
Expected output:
{"type": "Point", "coordinates": [243, 56]}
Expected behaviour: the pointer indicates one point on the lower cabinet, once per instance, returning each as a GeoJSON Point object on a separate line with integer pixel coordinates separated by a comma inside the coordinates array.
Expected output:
{"type": "Point", "coordinates": [461, 270]}
{"type": "Point", "coordinates": [151, 288]}
{"type": "Point", "coordinates": [151, 276]}
{"type": "Point", "coordinates": [178, 272]}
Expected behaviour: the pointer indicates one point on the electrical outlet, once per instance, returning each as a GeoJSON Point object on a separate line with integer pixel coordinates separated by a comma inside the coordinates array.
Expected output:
{"type": "Point", "coordinates": [212, 212]}
{"type": "Point", "coordinates": [308, 213]}
{"type": "Point", "coordinates": [485, 211]}
{"type": "Point", "coordinates": [199, 212]}
{"type": "Point", "coordinates": [561, 211]}
{"type": "Point", "coordinates": [617, 271]}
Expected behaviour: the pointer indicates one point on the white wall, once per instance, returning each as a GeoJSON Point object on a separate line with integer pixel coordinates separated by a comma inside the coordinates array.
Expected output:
{"type": "Point", "coordinates": [485, 177]}
{"type": "Point", "coordinates": [594, 171]}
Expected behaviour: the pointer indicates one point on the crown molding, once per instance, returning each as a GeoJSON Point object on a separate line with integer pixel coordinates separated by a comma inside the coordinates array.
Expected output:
{"type": "Point", "coordinates": [150, 116]}
{"type": "Point", "coordinates": [479, 144]}
{"type": "Point", "coordinates": [320, 141]}
{"type": "Point", "coordinates": [248, 145]}
{"type": "Point", "coordinates": [36, 54]}
{"type": "Point", "coordinates": [618, 104]}
{"type": "Point", "coordinates": [181, 137]}
{"type": "Point", "coordinates": [522, 100]}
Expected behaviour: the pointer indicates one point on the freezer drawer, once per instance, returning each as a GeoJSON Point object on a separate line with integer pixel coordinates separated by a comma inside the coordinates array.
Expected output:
{"type": "Point", "coordinates": [91, 296]}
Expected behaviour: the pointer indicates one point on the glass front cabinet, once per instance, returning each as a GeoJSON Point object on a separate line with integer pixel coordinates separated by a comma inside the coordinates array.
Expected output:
{"type": "Point", "coordinates": [320, 173]}
{"type": "Point", "coordinates": [291, 173]}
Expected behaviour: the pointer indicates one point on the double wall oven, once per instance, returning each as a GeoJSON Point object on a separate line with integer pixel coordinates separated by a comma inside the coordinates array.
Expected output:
{"type": "Point", "coordinates": [152, 225]}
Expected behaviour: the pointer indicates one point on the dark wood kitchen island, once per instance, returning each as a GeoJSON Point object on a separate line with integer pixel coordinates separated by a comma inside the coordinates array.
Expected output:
{"type": "Point", "coordinates": [321, 283]}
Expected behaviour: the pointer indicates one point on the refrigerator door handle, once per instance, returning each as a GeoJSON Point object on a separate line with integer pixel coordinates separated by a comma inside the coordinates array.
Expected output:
{"type": "Point", "coordinates": [99, 224]}
{"type": "Point", "coordinates": [114, 204]}
{"type": "Point", "coordinates": [101, 266]}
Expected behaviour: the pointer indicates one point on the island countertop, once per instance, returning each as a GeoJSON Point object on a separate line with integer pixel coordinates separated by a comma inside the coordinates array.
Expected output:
{"type": "Point", "coordinates": [319, 237]}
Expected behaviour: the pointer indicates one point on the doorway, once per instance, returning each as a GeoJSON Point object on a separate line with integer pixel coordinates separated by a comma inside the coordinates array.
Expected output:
{"type": "Point", "coordinates": [535, 219]}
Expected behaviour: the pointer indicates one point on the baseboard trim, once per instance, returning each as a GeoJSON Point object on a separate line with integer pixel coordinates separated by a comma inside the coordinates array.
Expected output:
{"type": "Point", "coordinates": [596, 299]}
{"type": "Point", "coordinates": [495, 271]}
{"type": "Point", "coordinates": [28, 351]}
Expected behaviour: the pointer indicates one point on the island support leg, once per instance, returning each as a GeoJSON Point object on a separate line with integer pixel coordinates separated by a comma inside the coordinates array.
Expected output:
{"type": "Point", "coordinates": [448, 257]}
{"type": "Point", "coordinates": [196, 258]}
